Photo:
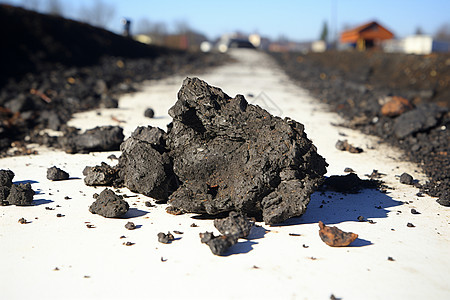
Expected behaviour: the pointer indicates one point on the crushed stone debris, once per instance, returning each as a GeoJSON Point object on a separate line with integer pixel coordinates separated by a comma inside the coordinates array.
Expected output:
{"type": "Point", "coordinates": [54, 173]}
{"type": "Point", "coordinates": [109, 205]}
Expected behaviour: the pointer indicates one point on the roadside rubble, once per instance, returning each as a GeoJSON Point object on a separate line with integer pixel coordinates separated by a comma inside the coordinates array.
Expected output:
{"type": "Point", "coordinates": [109, 205]}
{"type": "Point", "coordinates": [232, 228]}
{"type": "Point", "coordinates": [221, 154]}
{"type": "Point", "coordinates": [14, 194]}
{"type": "Point", "coordinates": [54, 173]}
{"type": "Point", "coordinates": [403, 99]}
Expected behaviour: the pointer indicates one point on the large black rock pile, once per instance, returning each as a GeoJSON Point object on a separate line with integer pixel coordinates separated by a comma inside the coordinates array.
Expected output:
{"type": "Point", "coordinates": [222, 154]}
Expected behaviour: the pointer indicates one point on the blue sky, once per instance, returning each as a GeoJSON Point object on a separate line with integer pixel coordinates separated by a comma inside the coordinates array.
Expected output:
{"type": "Point", "coordinates": [298, 20]}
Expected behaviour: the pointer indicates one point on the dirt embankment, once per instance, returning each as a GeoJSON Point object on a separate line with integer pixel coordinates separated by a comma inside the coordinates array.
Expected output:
{"type": "Point", "coordinates": [404, 99]}
{"type": "Point", "coordinates": [53, 67]}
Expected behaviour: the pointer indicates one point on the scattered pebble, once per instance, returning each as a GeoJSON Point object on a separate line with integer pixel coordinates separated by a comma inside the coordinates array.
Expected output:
{"type": "Point", "coordinates": [405, 178]}
{"type": "Point", "coordinates": [54, 173]}
{"type": "Point", "coordinates": [218, 244]}
{"type": "Point", "coordinates": [165, 238]}
{"type": "Point", "coordinates": [348, 170]}
{"type": "Point", "coordinates": [149, 204]}
{"type": "Point", "coordinates": [410, 225]}
{"type": "Point", "coordinates": [149, 113]}
{"type": "Point", "coordinates": [128, 244]}
{"type": "Point", "coordinates": [130, 226]}
{"type": "Point", "coordinates": [414, 211]}
{"type": "Point", "coordinates": [346, 146]}
{"type": "Point", "coordinates": [23, 221]}
{"type": "Point", "coordinates": [390, 258]}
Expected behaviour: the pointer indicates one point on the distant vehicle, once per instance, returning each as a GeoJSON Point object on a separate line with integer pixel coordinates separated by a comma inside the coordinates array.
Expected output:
{"type": "Point", "coordinates": [240, 43]}
{"type": "Point", "coordinates": [226, 44]}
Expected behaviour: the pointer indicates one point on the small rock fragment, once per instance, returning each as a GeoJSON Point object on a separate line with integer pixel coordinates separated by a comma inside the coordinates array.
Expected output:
{"type": "Point", "coordinates": [334, 237]}
{"type": "Point", "coordinates": [395, 106]}
{"type": "Point", "coordinates": [348, 170]}
{"type": "Point", "coordinates": [130, 226]}
{"type": "Point", "coordinates": [23, 221]}
{"type": "Point", "coordinates": [149, 204]}
{"type": "Point", "coordinates": [218, 245]}
{"type": "Point", "coordinates": [165, 238]}
{"type": "Point", "coordinates": [20, 195]}
{"type": "Point", "coordinates": [101, 175]}
{"type": "Point", "coordinates": [109, 205]}
{"type": "Point", "coordinates": [145, 165]}
{"type": "Point", "coordinates": [419, 119]}
{"type": "Point", "coordinates": [390, 258]}
{"type": "Point", "coordinates": [128, 244]}
{"type": "Point", "coordinates": [414, 211]}
{"type": "Point", "coordinates": [410, 225]}
{"type": "Point", "coordinates": [54, 173]}
{"type": "Point", "coordinates": [149, 113]}
{"type": "Point", "coordinates": [405, 178]}
{"type": "Point", "coordinates": [104, 138]}
{"type": "Point", "coordinates": [346, 146]}
{"type": "Point", "coordinates": [235, 224]}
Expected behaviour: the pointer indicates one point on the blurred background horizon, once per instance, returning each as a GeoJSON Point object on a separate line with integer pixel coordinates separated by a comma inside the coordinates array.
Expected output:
{"type": "Point", "coordinates": [299, 21]}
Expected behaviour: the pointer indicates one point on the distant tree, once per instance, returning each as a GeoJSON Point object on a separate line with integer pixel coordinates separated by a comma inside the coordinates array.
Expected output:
{"type": "Point", "coordinates": [99, 14]}
{"type": "Point", "coordinates": [324, 33]}
{"type": "Point", "coordinates": [443, 33]}
{"type": "Point", "coordinates": [182, 27]}
{"type": "Point", "coordinates": [54, 7]}
{"type": "Point", "coordinates": [419, 31]}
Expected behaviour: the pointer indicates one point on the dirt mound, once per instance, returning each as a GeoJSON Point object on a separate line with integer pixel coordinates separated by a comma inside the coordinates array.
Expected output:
{"type": "Point", "coordinates": [360, 86]}
{"type": "Point", "coordinates": [53, 67]}
{"type": "Point", "coordinates": [31, 41]}
{"type": "Point", "coordinates": [221, 154]}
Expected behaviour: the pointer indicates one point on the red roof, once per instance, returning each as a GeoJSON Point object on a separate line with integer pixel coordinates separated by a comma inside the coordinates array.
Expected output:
{"type": "Point", "coordinates": [368, 31]}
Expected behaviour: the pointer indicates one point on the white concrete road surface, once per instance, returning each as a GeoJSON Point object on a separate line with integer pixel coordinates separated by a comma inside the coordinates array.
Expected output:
{"type": "Point", "coordinates": [61, 258]}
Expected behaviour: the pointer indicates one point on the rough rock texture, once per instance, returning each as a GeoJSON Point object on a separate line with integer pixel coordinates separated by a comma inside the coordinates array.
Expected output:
{"type": "Point", "coordinates": [165, 238]}
{"type": "Point", "coordinates": [218, 244]}
{"type": "Point", "coordinates": [422, 118]}
{"type": "Point", "coordinates": [145, 165]}
{"type": "Point", "coordinates": [109, 205]}
{"type": "Point", "coordinates": [55, 173]}
{"type": "Point", "coordinates": [104, 138]}
{"type": "Point", "coordinates": [231, 155]}
{"type": "Point", "coordinates": [334, 237]}
{"type": "Point", "coordinates": [149, 113]}
{"type": "Point", "coordinates": [235, 224]}
{"type": "Point", "coordinates": [346, 146]}
{"type": "Point", "coordinates": [405, 178]}
{"type": "Point", "coordinates": [20, 195]}
{"type": "Point", "coordinates": [6, 177]}
{"type": "Point", "coordinates": [101, 175]}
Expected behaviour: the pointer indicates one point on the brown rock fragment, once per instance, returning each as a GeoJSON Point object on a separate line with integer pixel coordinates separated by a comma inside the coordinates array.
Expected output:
{"type": "Point", "coordinates": [346, 146]}
{"type": "Point", "coordinates": [395, 106]}
{"type": "Point", "coordinates": [334, 237]}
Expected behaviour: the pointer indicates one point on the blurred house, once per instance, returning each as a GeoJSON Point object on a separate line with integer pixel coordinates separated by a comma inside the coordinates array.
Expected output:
{"type": "Point", "coordinates": [416, 44]}
{"type": "Point", "coordinates": [368, 35]}
{"type": "Point", "coordinates": [188, 40]}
